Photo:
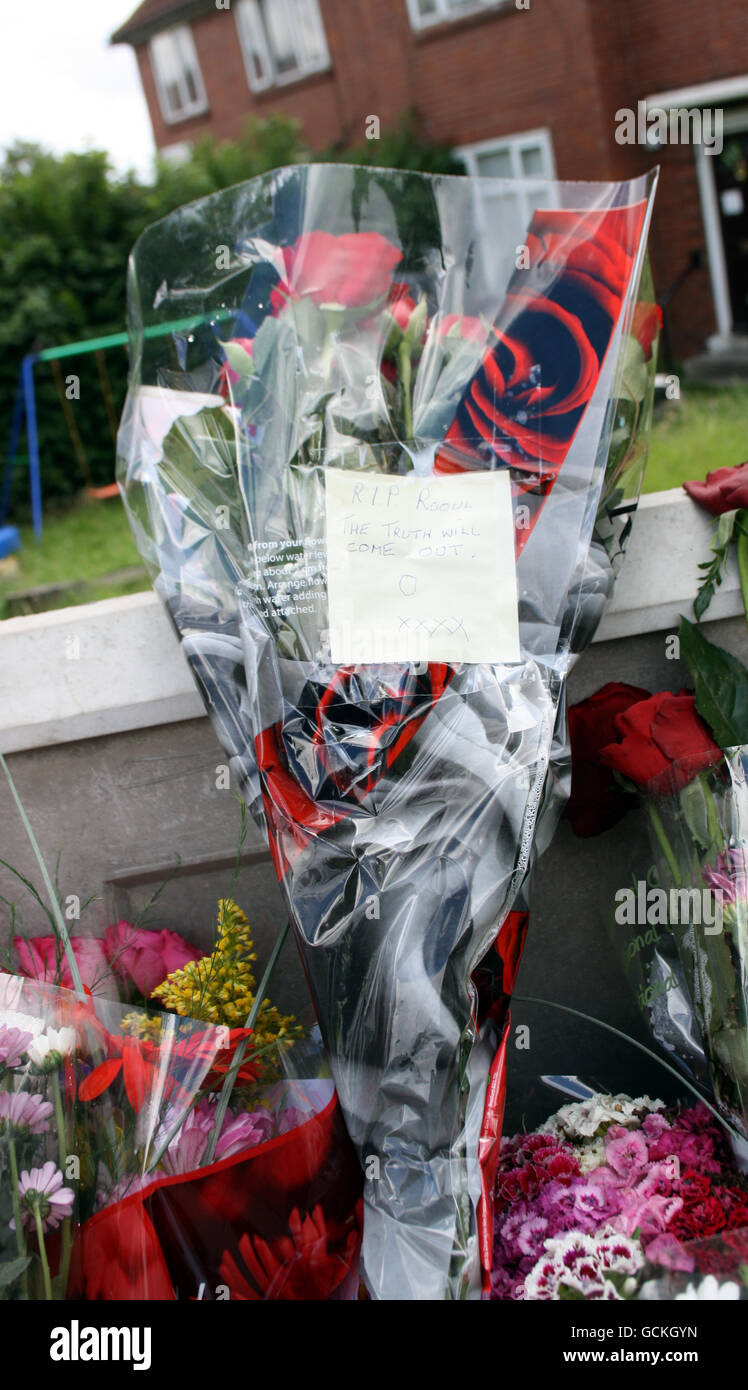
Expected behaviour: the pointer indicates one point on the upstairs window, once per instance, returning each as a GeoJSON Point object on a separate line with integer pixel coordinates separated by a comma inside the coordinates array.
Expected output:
{"type": "Point", "coordinates": [282, 40]}
{"type": "Point", "coordinates": [425, 12]}
{"type": "Point", "coordinates": [505, 211]}
{"type": "Point", "coordinates": [179, 82]}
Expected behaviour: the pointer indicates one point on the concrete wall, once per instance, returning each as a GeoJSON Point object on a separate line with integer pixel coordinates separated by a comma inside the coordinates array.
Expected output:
{"type": "Point", "coordinates": [123, 785]}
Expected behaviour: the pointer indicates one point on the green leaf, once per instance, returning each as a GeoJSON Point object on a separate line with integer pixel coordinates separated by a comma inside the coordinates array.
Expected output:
{"type": "Point", "coordinates": [634, 372]}
{"type": "Point", "coordinates": [721, 684]}
{"type": "Point", "coordinates": [238, 358]}
{"type": "Point", "coordinates": [11, 1270]}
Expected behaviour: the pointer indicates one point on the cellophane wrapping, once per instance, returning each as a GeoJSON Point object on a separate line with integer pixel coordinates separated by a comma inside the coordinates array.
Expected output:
{"type": "Point", "coordinates": [397, 326]}
{"type": "Point", "coordinates": [686, 953]}
{"type": "Point", "coordinates": [146, 1188]}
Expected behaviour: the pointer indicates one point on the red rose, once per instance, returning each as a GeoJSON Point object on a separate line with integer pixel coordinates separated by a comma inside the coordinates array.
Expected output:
{"type": "Point", "coordinates": [146, 957]}
{"type": "Point", "coordinates": [401, 304]}
{"type": "Point", "coordinates": [664, 743]}
{"type": "Point", "coordinates": [646, 325]}
{"type": "Point", "coordinates": [725, 489]}
{"type": "Point", "coordinates": [597, 802]}
{"type": "Point", "coordinates": [525, 402]}
{"type": "Point", "coordinates": [43, 958]}
{"type": "Point", "coordinates": [350, 271]}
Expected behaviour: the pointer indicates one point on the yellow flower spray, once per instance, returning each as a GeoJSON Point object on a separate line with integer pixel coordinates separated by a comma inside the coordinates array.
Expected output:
{"type": "Point", "coordinates": [220, 988]}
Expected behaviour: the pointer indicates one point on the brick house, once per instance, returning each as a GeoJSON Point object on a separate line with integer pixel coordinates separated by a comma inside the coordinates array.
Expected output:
{"type": "Point", "coordinates": [526, 87]}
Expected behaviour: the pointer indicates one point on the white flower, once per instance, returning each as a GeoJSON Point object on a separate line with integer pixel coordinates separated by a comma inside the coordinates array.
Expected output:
{"type": "Point", "coordinates": [583, 1263]}
{"type": "Point", "coordinates": [582, 1119]}
{"type": "Point", "coordinates": [591, 1155]}
{"type": "Point", "coordinates": [26, 1022]}
{"type": "Point", "coordinates": [59, 1041]}
{"type": "Point", "coordinates": [709, 1288]}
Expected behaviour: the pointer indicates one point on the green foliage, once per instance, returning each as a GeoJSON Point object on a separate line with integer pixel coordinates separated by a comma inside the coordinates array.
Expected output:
{"type": "Point", "coordinates": [66, 230]}
{"type": "Point", "coordinates": [720, 683]}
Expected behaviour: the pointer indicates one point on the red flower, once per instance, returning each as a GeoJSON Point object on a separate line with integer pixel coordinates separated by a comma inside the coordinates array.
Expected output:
{"type": "Point", "coordinates": [524, 404]}
{"type": "Point", "coordinates": [664, 743]}
{"type": "Point", "coordinates": [698, 1220]}
{"type": "Point", "coordinates": [352, 271]}
{"type": "Point", "coordinates": [401, 304]}
{"type": "Point", "coordinates": [597, 802]}
{"type": "Point", "coordinates": [725, 489]}
{"type": "Point", "coordinates": [146, 957]}
{"type": "Point", "coordinates": [308, 1264]}
{"type": "Point", "coordinates": [646, 325]}
{"type": "Point", "coordinates": [694, 1187]}
{"type": "Point", "coordinates": [38, 957]}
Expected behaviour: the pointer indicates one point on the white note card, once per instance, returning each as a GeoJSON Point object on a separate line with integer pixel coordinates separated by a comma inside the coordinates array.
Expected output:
{"type": "Point", "coordinates": [421, 569]}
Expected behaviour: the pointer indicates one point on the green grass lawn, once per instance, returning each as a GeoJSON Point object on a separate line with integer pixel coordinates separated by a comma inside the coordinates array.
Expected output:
{"type": "Point", "coordinates": [706, 429]}
{"type": "Point", "coordinates": [83, 543]}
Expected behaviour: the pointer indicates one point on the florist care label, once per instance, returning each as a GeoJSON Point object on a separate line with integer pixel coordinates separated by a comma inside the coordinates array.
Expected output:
{"type": "Point", "coordinates": [421, 569]}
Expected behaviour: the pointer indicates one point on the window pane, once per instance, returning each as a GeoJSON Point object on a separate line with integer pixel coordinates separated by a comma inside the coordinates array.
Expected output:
{"type": "Point", "coordinates": [495, 164]}
{"type": "Point", "coordinates": [280, 35]}
{"type": "Point", "coordinates": [533, 160]}
{"type": "Point", "coordinates": [427, 7]}
{"type": "Point", "coordinates": [310, 36]}
{"type": "Point", "coordinates": [252, 36]}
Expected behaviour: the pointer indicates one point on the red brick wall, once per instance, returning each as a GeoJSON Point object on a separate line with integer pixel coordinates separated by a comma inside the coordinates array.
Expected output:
{"type": "Point", "coordinates": [565, 64]}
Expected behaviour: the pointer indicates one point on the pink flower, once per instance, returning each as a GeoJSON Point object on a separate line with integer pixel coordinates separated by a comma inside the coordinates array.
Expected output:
{"type": "Point", "coordinates": [23, 1113]}
{"type": "Point", "coordinates": [43, 958]}
{"type": "Point", "coordinates": [626, 1153]}
{"type": "Point", "coordinates": [43, 1187]}
{"type": "Point", "coordinates": [13, 1044]}
{"type": "Point", "coordinates": [187, 1149]}
{"type": "Point", "coordinates": [146, 957]}
{"type": "Point", "coordinates": [667, 1251]}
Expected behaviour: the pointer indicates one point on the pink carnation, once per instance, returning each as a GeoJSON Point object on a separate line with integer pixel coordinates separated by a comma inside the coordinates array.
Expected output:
{"type": "Point", "coordinates": [146, 957]}
{"type": "Point", "coordinates": [38, 957]}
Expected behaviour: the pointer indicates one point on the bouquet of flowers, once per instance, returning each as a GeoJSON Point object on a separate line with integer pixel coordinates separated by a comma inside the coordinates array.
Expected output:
{"type": "Point", "coordinates": [686, 943]}
{"type": "Point", "coordinates": [195, 1152]}
{"type": "Point", "coordinates": [380, 461]}
{"type": "Point", "coordinates": [616, 1198]}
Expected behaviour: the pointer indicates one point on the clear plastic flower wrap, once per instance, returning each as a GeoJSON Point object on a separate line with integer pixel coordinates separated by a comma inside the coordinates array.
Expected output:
{"type": "Point", "coordinates": [384, 435]}
{"type": "Point", "coordinates": [683, 933]}
{"type": "Point", "coordinates": [139, 1174]}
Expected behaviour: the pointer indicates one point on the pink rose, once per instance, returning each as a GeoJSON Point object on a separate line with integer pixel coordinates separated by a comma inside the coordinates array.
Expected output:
{"type": "Point", "coordinates": [146, 957]}
{"type": "Point", "coordinates": [38, 960]}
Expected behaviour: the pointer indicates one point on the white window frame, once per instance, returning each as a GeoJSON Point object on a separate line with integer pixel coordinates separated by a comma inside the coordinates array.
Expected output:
{"type": "Point", "coordinates": [248, 19]}
{"type": "Point", "coordinates": [182, 33]}
{"type": "Point", "coordinates": [445, 11]}
{"type": "Point", "coordinates": [514, 145]}
{"type": "Point", "coordinates": [531, 183]}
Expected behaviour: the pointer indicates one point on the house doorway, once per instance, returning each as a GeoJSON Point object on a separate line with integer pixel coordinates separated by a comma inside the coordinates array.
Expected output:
{"type": "Point", "coordinates": [731, 181]}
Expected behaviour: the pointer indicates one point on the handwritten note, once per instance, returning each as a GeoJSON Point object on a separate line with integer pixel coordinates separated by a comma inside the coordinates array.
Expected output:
{"type": "Point", "coordinates": [421, 569]}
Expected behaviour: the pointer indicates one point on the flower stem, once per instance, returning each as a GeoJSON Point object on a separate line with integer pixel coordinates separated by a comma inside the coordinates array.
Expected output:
{"type": "Point", "coordinates": [42, 1252]}
{"type": "Point", "coordinates": [406, 377]}
{"type": "Point", "coordinates": [665, 845]}
{"type": "Point", "coordinates": [20, 1241]}
{"type": "Point", "coordinates": [713, 825]}
{"type": "Point", "coordinates": [66, 1237]}
{"type": "Point", "coordinates": [231, 1074]}
{"type": "Point", "coordinates": [741, 548]}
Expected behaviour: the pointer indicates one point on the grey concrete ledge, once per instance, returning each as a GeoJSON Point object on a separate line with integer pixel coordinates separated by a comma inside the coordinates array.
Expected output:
{"type": "Point", "coordinates": [107, 667]}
